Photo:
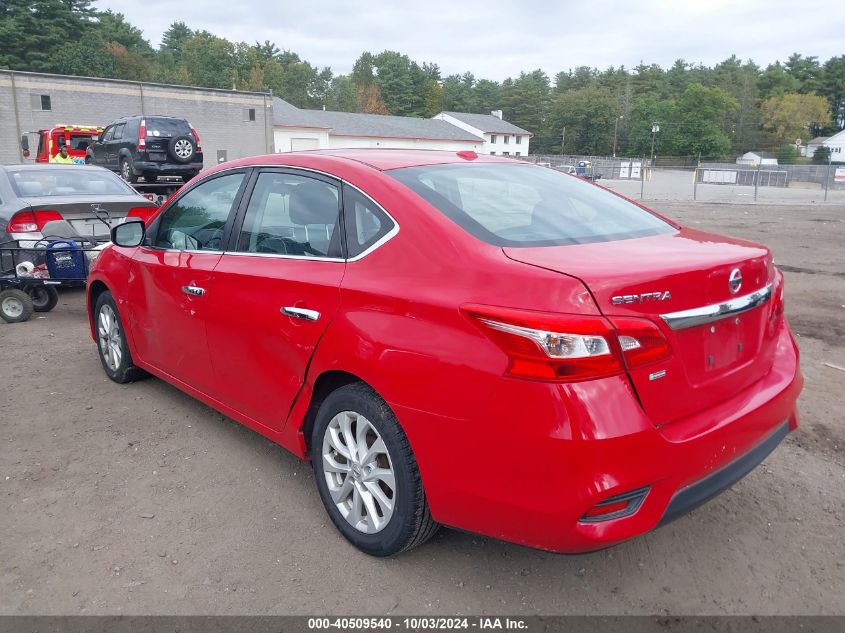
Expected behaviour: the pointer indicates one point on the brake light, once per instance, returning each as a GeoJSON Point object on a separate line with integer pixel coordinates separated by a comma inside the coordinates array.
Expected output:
{"type": "Point", "coordinates": [31, 221]}
{"type": "Point", "coordinates": [778, 303]}
{"type": "Point", "coordinates": [142, 213]}
{"type": "Point", "coordinates": [142, 135]}
{"type": "Point", "coordinates": [640, 340]}
{"type": "Point", "coordinates": [196, 138]}
{"type": "Point", "coordinates": [554, 347]}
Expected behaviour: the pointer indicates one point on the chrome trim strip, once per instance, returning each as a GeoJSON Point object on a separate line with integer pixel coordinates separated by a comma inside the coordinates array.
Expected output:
{"type": "Point", "coordinates": [717, 311]}
{"type": "Point", "coordinates": [300, 313]}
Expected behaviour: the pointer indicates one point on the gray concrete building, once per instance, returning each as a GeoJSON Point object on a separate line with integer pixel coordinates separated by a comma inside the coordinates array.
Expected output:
{"type": "Point", "coordinates": [231, 124]}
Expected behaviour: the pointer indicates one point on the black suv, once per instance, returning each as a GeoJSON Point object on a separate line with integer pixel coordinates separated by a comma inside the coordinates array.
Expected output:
{"type": "Point", "coordinates": [148, 147]}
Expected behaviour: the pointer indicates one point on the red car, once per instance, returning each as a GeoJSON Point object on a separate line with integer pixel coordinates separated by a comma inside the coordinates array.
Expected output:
{"type": "Point", "coordinates": [459, 340]}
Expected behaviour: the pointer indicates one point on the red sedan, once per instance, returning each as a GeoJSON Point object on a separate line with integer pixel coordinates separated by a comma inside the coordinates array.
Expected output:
{"type": "Point", "coordinates": [459, 340]}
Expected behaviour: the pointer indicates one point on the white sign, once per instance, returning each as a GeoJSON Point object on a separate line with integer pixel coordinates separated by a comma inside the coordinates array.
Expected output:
{"type": "Point", "coordinates": [625, 169]}
{"type": "Point", "coordinates": [635, 170]}
{"type": "Point", "coordinates": [839, 175]}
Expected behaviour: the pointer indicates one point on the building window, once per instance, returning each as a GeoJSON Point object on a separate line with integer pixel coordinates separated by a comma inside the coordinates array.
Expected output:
{"type": "Point", "coordinates": [492, 153]}
{"type": "Point", "coordinates": [41, 102]}
{"type": "Point", "coordinates": [492, 138]}
{"type": "Point", "coordinates": [506, 153]}
{"type": "Point", "coordinates": [507, 139]}
{"type": "Point", "coordinates": [518, 140]}
{"type": "Point", "coordinates": [249, 114]}
{"type": "Point", "coordinates": [517, 154]}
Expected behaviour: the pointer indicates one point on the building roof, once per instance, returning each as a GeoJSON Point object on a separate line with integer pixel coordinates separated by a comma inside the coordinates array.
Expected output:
{"type": "Point", "coordinates": [818, 140]}
{"type": "Point", "coordinates": [371, 125]}
{"type": "Point", "coordinates": [760, 154]}
{"type": "Point", "coordinates": [488, 123]}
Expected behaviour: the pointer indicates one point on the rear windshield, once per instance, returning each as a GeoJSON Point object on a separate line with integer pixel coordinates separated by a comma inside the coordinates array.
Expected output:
{"type": "Point", "coordinates": [67, 181]}
{"type": "Point", "coordinates": [167, 127]}
{"type": "Point", "coordinates": [523, 205]}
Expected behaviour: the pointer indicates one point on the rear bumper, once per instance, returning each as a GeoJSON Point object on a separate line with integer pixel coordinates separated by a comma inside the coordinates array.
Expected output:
{"type": "Point", "coordinates": [517, 474]}
{"type": "Point", "coordinates": [166, 169]}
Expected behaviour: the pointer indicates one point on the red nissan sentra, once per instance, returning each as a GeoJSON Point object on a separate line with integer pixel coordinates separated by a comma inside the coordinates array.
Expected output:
{"type": "Point", "coordinates": [458, 339]}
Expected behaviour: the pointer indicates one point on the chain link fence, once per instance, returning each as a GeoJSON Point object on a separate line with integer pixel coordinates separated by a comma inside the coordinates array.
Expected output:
{"type": "Point", "coordinates": [637, 178]}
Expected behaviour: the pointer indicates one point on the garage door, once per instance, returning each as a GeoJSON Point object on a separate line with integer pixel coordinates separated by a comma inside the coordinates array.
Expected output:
{"type": "Point", "coordinates": [297, 144]}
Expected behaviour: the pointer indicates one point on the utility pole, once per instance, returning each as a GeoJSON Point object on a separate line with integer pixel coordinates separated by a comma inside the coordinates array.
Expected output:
{"type": "Point", "coordinates": [563, 141]}
{"type": "Point", "coordinates": [615, 131]}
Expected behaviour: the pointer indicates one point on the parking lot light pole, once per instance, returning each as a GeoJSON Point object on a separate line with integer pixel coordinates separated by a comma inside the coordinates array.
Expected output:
{"type": "Point", "coordinates": [654, 130]}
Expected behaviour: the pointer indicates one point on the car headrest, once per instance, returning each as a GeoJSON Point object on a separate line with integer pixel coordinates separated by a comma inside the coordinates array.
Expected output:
{"type": "Point", "coordinates": [312, 202]}
{"type": "Point", "coordinates": [30, 188]}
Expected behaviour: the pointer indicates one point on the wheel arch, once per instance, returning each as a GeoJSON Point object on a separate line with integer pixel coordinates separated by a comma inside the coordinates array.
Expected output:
{"type": "Point", "coordinates": [95, 289]}
{"type": "Point", "coordinates": [325, 383]}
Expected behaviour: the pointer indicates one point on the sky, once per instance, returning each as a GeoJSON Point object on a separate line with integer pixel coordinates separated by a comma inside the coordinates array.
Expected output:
{"type": "Point", "coordinates": [499, 38]}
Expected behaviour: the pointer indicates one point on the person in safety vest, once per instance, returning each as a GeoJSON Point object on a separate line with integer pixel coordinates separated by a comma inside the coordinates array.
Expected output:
{"type": "Point", "coordinates": [62, 157]}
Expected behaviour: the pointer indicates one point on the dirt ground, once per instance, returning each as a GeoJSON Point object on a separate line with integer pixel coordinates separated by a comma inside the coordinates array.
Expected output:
{"type": "Point", "coordinates": [139, 500]}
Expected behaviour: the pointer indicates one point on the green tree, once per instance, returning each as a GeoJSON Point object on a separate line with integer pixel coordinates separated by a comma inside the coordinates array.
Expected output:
{"type": "Point", "coordinates": [209, 61]}
{"type": "Point", "coordinates": [488, 96]}
{"type": "Point", "coordinates": [833, 88]}
{"type": "Point", "coordinates": [787, 155]}
{"type": "Point", "coordinates": [395, 77]}
{"type": "Point", "coordinates": [701, 116]}
{"type": "Point", "coordinates": [341, 97]}
{"type": "Point", "coordinates": [525, 103]}
{"type": "Point", "coordinates": [822, 155]}
{"type": "Point", "coordinates": [458, 93]}
{"type": "Point", "coordinates": [588, 115]}
{"type": "Point", "coordinates": [647, 110]}
{"type": "Point", "coordinates": [793, 115]}
{"type": "Point", "coordinates": [806, 70]}
{"type": "Point", "coordinates": [776, 82]}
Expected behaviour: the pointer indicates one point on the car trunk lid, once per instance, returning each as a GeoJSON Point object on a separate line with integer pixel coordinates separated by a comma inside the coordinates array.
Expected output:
{"type": "Point", "coordinates": [92, 219]}
{"type": "Point", "coordinates": [659, 276]}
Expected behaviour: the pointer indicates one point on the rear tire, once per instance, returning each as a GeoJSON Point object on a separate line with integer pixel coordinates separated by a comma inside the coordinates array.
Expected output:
{"type": "Point", "coordinates": [44, 298]}
{"type": "Point", "coordinates": [354, 483]}
{"type": "Point", "coordinates": [15, 306]}
{"type": "Point", "coordinates": [126, 171]}
{"type": "Point", "coordinates": [111, 342]}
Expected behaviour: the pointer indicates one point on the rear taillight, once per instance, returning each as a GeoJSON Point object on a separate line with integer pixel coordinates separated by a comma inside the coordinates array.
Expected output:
{"type": "Point", "coordinates": [142, 135]}
{"type": "Point", "coordinates": [196, 138]}
{"type": "Point", "coordinates": [142, 213]}
{"type": "Point", "coordinates": [31, 221]}
{"type": "Point", "coordinates": [569, 347]}
{"type": "Point", "coordinates": [640, 340]}
{"type": "Point", "coordinates": [777, 292]}
{"type": "Point", "coordinates": [555, 347]}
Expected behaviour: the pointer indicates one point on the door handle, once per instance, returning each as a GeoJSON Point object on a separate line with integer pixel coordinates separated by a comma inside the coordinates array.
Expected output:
{"type": "Point", "coordinates": [194, 291]}
{"type": "Point", "coordinates": [300, 313]}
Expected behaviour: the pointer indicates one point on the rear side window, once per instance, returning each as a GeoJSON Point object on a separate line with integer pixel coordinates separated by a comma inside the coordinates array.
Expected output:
{"type": "Point", "coordinates": [366, 223]}
{"type": "Point", "coordinates": [118, 131]}
{"type": "Point", "coordinates": [522, 205]}
{"type": "Point", "coordinates": [159, 126]}
{"type": "Point", "coordinates": [196, 221]}
{"type": "Point", "coordinates": [290, 214]}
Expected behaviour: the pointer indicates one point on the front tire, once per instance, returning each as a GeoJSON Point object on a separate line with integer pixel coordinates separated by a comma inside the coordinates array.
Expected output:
{"type": "Point", "coordinates": [111, 342]}
{"type": "Point", "coordinates": [367, 475]}
{"type": "Point", "coordinates": [15, 306]}
{"type": "Point", "coordinates": [44, 298]}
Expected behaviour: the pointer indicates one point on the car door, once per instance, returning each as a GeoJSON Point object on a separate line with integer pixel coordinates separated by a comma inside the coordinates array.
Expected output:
{"type": "Point", "coordinates": [276, 289]}
{"type": "Point", "coordinates": [171, 280]}
{"type": "Point", "coordinates": [113, 146]}
{"type": "Point", "coordinates": [98, 149]}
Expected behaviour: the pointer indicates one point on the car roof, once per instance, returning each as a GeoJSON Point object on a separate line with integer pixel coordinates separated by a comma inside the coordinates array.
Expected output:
{"type": "Point", "coordinates": [381, 159]}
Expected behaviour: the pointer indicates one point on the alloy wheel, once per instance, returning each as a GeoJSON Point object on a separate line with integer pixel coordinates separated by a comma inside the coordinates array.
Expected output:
{"type": "Point", "coordinates": [125, 171]}
{"type": "Point", "coordinates": [182, 148]}
{"type": "Point", "coordinates": [359, 472]}
{"type": "Point", "coordinates": [108, 330]}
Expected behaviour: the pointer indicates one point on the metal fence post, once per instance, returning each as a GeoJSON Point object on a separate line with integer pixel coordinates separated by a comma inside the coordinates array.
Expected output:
{"type": "Point", "coordinates": [827, 175]}
{"type": "Point", "coordinates": [642, 178]}
{"type": "Point", "coordinates": [757, 179]}
{"type": "Point", "coordinates": [695, 183]}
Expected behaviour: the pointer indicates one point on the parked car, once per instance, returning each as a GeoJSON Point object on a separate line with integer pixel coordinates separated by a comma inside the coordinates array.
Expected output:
{"type": "Point", "coordinates": [90, 199]}
{"type": "Point", "coordinates": [459, 339]}
{"type": "Point", "coordinates": [148, 147]}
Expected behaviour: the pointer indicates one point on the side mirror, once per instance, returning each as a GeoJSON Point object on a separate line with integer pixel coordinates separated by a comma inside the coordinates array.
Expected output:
{"type": "Point", "coordinates": [128, 234]}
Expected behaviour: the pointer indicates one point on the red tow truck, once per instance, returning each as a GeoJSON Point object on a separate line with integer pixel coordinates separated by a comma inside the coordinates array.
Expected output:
{"type": "Point", "coordinates": [77, 138]}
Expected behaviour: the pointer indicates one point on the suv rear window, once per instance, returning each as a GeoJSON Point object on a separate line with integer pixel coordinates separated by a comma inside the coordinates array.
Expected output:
{"type": "Point", "coordinates": [159, 126]}
{"type": "Point", "coordinates": [523, 205]}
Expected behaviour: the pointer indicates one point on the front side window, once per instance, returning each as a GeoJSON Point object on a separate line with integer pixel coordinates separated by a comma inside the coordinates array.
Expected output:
{"type": "Point", "coordinates": [524, 205]}
{"type": "Point", "coordinates": [366, 223]}
{"type": "Point", "coordinates": [118, 131]}
{"type": "Point", "coordinates": [196, 221]}
{"type": "Point", "coordinates": [293, 215]}
{"type": "Point", "coordinates": [107, 135]}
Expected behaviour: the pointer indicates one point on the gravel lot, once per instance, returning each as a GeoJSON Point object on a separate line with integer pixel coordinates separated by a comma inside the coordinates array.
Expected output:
{"type": "Point", "coordinates": [139, 500]}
